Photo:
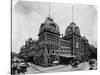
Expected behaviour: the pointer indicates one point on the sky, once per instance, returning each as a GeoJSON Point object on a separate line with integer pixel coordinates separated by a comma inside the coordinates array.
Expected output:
{"type": "Point", "coordinates": [27, 17]}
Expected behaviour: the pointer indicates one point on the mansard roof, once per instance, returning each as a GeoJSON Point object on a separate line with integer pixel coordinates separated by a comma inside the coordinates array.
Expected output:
{"type": "Point", "coordinates": [72, 28]}
{"type": "Point", "coordinates": [50, 25]}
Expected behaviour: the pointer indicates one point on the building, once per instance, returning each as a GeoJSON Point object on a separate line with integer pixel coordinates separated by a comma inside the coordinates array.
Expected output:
{"type": "Point", "coordinates": [50, 47]}
{"type": "Point", "coordinates": [84, 48]}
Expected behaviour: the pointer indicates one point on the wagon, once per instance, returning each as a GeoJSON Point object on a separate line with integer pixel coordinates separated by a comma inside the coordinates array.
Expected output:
{"type": "Point", "coordinates": [22, 67]}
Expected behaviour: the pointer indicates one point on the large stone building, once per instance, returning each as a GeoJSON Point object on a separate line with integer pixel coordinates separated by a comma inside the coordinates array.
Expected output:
{"type": "Point", "coordinates": [52, 47]}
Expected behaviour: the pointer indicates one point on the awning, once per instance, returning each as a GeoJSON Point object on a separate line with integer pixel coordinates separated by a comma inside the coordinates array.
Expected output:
{"type": "Point", "coordinates": [55, 62]}
{"type": "Point", "coordinates": [66, 55]}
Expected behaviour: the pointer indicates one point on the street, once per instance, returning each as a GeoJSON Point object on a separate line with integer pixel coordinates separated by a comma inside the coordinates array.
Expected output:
{"type": "Point", "coordinates": [60, 68]}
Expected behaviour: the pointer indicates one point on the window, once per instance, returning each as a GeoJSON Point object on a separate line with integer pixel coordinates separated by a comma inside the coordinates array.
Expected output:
{"type": "Point", "coordinates": [48, 51]}
{"type": "Point", "coordinates": [53, 41]}
{"type": "Point", "coordinates": [53, 26]}
{"type": "Point", "coordinates": [77, 46]}
{"type": "Point", "coordinates": [53, 51]}
{"type": "Point", "coordinates": [48, 60]}
{"type": "Point", "coordinates": [57, 52]}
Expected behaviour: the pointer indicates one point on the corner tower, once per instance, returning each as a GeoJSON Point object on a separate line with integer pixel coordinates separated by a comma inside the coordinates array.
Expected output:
{"type": "Point", "coordinates": [72, 33]}
{"type": "Point", "coordinates": [48, 40]}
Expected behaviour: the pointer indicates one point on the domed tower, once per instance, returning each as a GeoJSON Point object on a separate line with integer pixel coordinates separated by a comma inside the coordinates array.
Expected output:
{"type": "Point", "coordinates": [49, 25]}
{"type": "Point", "coordinates": [72, 33]}
{"type": "Point", "coordinates": [48, 40]}
{"type": "Point", "coordinates": [72, 29]}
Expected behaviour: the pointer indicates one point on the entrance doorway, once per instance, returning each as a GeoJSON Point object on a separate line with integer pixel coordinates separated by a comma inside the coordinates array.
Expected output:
{"type": "Point", "coordinates": [65, 60]}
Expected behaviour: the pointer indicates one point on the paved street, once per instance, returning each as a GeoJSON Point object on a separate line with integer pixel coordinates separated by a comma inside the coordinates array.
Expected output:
{"type": "Point", "coordinates": [83, 66]}
{"type": "Point", "coordinates": [60, 68]}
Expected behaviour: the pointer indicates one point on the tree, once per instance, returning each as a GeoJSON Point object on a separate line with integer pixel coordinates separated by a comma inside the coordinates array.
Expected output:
{"type": "Point", "coordinates": [13, 54]}
{"type": "Point", "coordinates": [93, 52]}
{"type": "Point", "coordinates": [28, 42]}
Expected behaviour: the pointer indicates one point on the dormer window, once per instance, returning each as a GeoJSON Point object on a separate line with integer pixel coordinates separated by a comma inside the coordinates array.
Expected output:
{"type": "Point", "coordinates": [53, 26]}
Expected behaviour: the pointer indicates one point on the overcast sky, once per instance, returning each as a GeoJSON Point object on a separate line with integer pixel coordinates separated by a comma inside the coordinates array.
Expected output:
{"type": "Point", "coordinates": [27, 17]}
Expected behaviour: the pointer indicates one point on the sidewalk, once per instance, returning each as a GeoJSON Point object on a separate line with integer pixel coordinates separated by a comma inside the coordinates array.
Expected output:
{"type": "Point", "coordinates": [40, 68]}
{"type": "Point", "coordinates": [60, 68]}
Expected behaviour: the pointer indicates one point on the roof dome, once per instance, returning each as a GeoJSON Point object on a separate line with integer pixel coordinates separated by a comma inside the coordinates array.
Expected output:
{"type": "Point", "coordinates": [72, 29]}
{"type": "Point", "coordinates": [50, 25]}
{"type": "Point", "coordinates": [84, 39]}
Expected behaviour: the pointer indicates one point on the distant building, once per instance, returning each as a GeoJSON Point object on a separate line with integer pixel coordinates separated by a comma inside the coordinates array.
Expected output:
{"type": "Point", "coordinates": [50, 47]}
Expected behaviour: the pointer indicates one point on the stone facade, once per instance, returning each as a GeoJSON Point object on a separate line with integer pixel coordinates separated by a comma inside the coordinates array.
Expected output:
{"type": "Point", "coordinates": [51, 47]}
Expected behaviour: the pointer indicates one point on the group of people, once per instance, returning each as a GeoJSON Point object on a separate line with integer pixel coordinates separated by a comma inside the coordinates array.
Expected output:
{"type": "Point", "coordinates": [92, 64]}
{"type": "Point", "coordinates": [18, 67]}
{"type": "Point", "coordinates": [21, 66]}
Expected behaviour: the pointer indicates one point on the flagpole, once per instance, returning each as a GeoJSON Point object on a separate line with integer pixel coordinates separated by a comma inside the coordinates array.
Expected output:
{"type": "Point", "coordinates": [49, 8]}
{"type": "Point", "coordinates": [72, 13]}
